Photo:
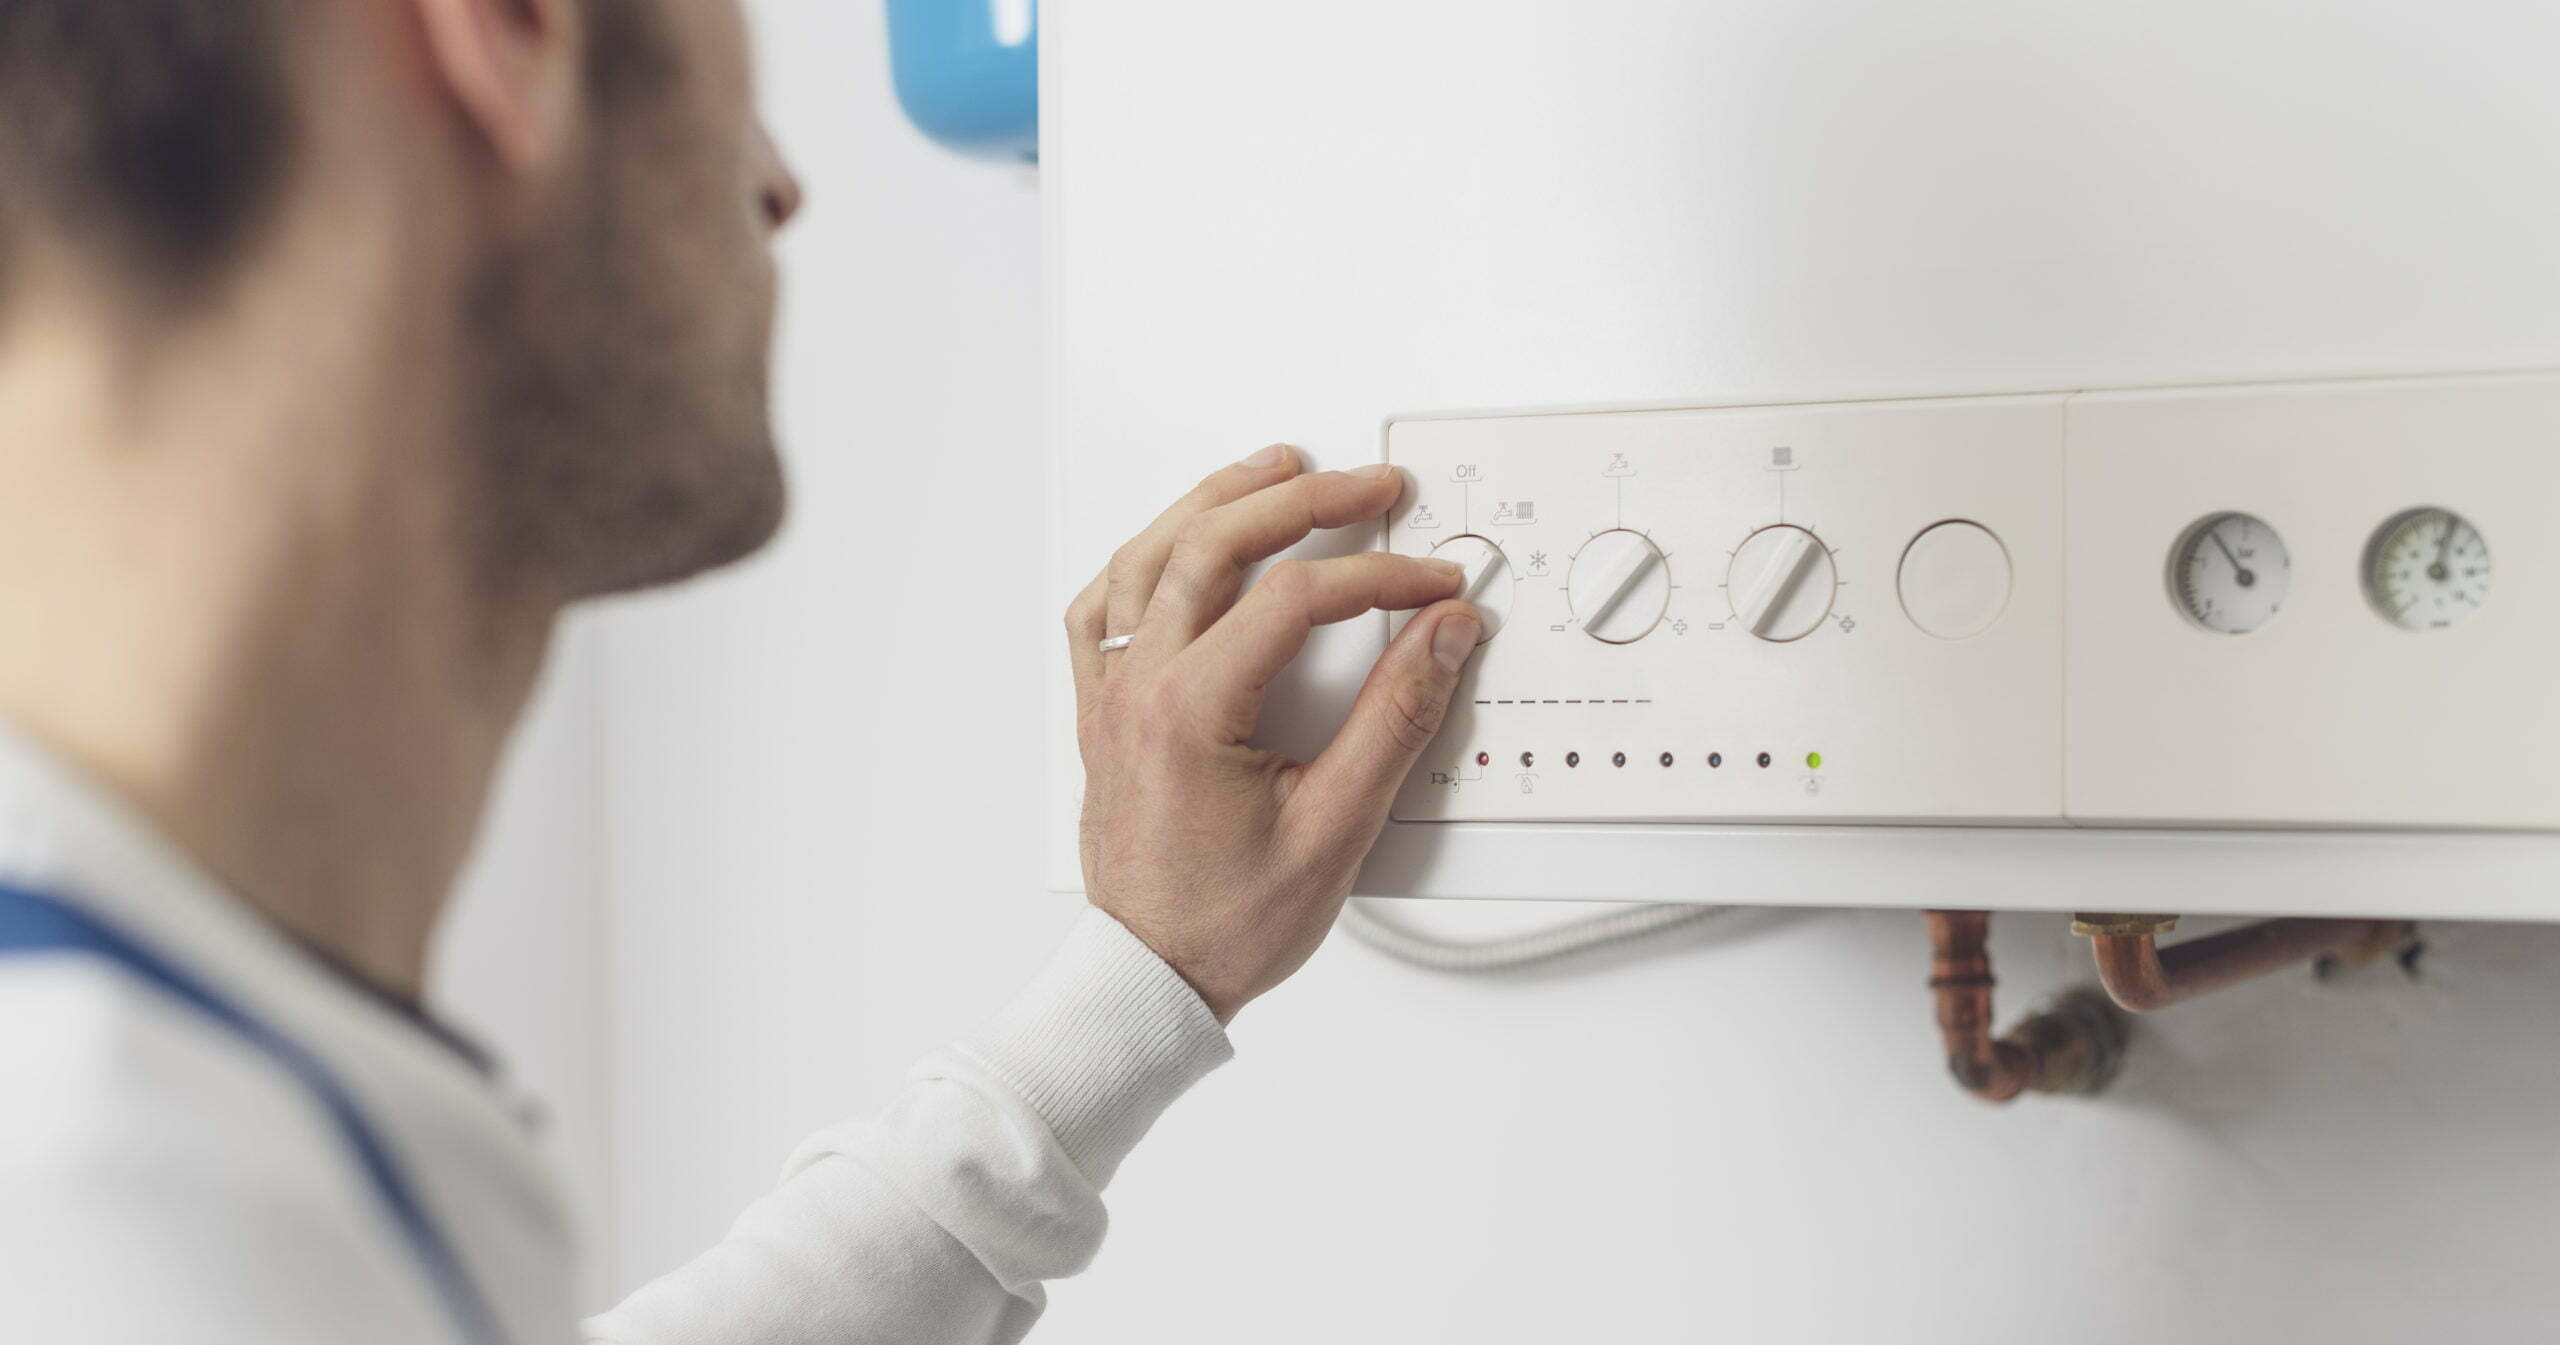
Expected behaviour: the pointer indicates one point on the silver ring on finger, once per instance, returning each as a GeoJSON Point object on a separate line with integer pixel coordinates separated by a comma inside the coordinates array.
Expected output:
{"type": "Point", "coordinates": [1117, 643]}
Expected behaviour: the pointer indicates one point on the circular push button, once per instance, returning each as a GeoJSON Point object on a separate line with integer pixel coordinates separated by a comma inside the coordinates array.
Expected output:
{"type": "Point", "coordinates": [1488, 582]}
{"type": "Point", "coordinates": [1955, 580]}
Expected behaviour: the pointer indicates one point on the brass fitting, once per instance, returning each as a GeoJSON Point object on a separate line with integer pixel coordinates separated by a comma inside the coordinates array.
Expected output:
{"type": "Point", "coordinates": [2078, 1042]}
{"type": "Point", "coordinates": [2089, 924]}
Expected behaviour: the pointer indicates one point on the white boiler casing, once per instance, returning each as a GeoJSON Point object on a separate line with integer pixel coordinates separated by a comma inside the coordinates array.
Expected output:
{"type": "Point", "coordinates": [1919, 345]}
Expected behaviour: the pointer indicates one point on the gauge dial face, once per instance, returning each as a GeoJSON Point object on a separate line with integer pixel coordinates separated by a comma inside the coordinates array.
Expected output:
{"type": "Point", "coordinates": [2229, 573]}
{"type": "Point", "coordinates": [2426, 569]}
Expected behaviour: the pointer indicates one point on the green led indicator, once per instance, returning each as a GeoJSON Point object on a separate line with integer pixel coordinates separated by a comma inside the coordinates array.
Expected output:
{"type": "Point", "coordinates": [1813, 761]}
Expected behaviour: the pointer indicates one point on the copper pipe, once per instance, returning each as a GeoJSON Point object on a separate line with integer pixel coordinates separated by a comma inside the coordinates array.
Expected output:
{"type": "Point", "coordinates": [2143, 977]}
{"type": "Point", "coordinates": [1960, 979]}
{"type": "Point", "coordinates": [2072, 1047]}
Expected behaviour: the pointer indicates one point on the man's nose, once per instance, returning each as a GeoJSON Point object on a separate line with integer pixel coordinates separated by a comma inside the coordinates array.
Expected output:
{"type": "Point", "coordinates": [777, 187]}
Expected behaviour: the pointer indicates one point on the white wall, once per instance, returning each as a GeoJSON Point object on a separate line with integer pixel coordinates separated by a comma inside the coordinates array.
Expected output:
{"type": "Point", "coordinates": [823, 785]}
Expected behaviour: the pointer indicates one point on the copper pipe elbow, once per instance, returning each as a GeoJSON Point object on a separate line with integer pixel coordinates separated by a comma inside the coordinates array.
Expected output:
{"type": "Point", "coordinates": [2143, 977]}
{"type": "Point", "coordinates": [2073, 1046]}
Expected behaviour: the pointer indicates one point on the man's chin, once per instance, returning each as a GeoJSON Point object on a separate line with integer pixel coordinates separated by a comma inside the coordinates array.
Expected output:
{"type": "Point", "coordinates": [697, 531]}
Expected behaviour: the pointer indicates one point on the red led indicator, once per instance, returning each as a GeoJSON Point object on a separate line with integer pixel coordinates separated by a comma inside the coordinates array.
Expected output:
{"type": "Point", "coordinates": [1484, 758]}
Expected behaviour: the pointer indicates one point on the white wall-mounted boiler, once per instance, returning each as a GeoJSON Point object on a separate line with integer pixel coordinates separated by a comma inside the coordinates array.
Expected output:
{"type": "Point", "coordinates": [2032, 454]}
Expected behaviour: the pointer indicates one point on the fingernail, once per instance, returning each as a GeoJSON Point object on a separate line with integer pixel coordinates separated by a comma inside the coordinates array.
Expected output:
{"type": "Point", "coordinates": [1450, 568]}
{"type": "Point", "coordinates": [1373, 471]}
{"type": "Point", "coordinates": [1272, 456]}
{"type": "Point", "coordinates": [1455, 640]}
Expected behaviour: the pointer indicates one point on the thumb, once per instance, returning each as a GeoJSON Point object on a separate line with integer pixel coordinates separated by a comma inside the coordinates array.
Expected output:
{"type": "Point", "coordinates": [1399, 712]}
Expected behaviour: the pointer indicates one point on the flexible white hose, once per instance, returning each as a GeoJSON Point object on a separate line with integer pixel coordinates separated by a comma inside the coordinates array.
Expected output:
{"type": "Point", "coordinates": [1365, 921]}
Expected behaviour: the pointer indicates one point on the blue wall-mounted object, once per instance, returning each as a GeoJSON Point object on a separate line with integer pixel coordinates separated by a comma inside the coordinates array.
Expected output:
{"type": "Point", "coordinates": [968, 74]}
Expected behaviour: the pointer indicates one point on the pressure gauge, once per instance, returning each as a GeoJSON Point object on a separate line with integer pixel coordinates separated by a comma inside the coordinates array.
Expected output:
{"type": "Point", "coordinates": [2426, 569]}
{"type": "Point", "coordinates": [2229, 573]}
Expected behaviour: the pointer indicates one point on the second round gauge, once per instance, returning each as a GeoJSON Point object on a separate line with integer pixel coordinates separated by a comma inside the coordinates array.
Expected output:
{"type": "Point", "coordinates": [2229, 573]}
{"type": "Point", "coordinates": [2426, 569]}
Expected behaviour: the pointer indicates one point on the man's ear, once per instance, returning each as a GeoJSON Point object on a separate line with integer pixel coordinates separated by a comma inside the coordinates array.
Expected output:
{"type": "Point", "coordinates": [512, 69]}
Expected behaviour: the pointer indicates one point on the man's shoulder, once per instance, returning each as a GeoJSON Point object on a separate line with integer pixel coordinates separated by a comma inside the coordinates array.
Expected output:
{"type": "Point", "coordinates": [157, 1168]}
{"type": "Point", "coordinates": [124, 1093]}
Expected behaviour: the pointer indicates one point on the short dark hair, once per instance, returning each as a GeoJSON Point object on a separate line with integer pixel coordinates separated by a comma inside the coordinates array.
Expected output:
{"type": "Point", "coordinates": [162, 130]}
{"type": "Point", "coordinates": [154, 132]}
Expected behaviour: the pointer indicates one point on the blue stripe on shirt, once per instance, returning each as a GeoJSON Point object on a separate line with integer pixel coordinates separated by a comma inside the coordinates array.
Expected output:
{"type": "Point", "coordinates": [33, 923]}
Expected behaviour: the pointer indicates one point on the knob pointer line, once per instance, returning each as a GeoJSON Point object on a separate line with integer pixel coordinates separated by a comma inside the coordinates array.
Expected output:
{"type": "Point", "coordinates": [1619, 581]}
{"type": "Point", "coordinates": [1777, 582]}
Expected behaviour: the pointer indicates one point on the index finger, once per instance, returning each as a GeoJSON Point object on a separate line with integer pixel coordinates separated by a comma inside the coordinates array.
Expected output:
{"type": "Point", "coordinates": [1213, 550]}
{"type": "Point", "coordinates": [1137, 566]}
{"type": "Point", "coordinates": [1226, 670]}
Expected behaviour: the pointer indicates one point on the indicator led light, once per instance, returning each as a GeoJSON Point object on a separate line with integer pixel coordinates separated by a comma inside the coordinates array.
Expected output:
{"type": "Point", "coordinates": [1813, 760]}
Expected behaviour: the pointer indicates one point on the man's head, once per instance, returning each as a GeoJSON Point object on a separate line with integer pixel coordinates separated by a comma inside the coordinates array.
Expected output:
{"type": "Point", "coordinates": [588, 200]}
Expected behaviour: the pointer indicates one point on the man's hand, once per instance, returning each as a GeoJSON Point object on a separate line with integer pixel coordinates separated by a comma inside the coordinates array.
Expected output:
{"type": "Point", "coordinates": [1229, 862]}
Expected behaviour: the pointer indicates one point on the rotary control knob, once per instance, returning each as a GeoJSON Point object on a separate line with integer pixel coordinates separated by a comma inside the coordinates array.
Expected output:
{"type": "Point", "coordinates": [1488, 582]}
{"type": "Point", "coordinates": [1619, 586]}
{"type": "Point", "coordinates": [1781, 582]}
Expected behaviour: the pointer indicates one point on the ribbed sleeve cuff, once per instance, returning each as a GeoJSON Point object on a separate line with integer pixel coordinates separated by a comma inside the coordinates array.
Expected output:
{"type": "Point", "coordinates": [1101, 1042]}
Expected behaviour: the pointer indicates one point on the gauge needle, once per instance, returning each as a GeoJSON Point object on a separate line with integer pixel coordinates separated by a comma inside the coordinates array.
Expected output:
{"type": "Point", "coordinates": [2246, 578]}
{"type": "Point", "coordinates": [2444, 549]}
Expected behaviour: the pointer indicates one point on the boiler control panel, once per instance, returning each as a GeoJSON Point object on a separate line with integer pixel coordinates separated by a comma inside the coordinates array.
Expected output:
{"type": "Point", "coordinates": [2310, 605]}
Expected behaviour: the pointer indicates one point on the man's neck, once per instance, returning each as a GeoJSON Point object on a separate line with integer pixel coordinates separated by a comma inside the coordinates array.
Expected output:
{"type": "Point", "coordinates": [236, 576]}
